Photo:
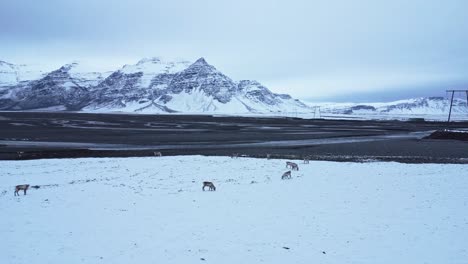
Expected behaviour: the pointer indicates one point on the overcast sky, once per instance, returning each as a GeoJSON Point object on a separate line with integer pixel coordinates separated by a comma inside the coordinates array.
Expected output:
{"type": "Point", "coordinates": [346, 50]}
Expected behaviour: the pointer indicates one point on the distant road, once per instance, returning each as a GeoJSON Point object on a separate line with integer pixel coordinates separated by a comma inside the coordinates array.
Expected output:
{"type": "Point", "coordinates": [30, 135]}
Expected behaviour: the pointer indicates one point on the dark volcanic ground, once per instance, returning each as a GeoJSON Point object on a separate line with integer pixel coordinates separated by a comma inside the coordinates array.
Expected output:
{"type": "Point", "coordinates": [29, 135]}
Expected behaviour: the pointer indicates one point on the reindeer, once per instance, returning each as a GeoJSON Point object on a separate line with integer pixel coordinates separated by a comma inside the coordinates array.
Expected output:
{"type": "Point", "coordinates": [292, 165]}
{"type": "Point", "coordinates": [268, 156]}
{"type": "Point", "coordinates": [295, 167]}
{"type": "Point", "coordinates": [234, 155]}
{"type": "Point", "coordinates": [19, 154]}
{"type": "Point", "coordinates": [286, 175]}
{"type": "Point", "coordinates": [23, 187]}
{"type": "Point", "coordinates": [157, 154]}
{"type": "Point", "coordinates": [306, 160]}
{"type": "Point", "coordinates": [210, 185]}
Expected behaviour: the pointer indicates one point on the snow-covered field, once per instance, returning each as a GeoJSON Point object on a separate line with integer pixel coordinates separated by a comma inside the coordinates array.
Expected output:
{"type": "Point", "coordinates": [152, 210]}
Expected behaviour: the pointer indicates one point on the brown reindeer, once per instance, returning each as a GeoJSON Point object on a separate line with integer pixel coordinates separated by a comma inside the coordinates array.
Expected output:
{"type": "Point", "coordinates": [268, 156]}
{"type": "Point", "coordinates": [210, 186]}
{"type": "Point", "coordinates": [306, 160]}
{"type": "Point", "coordinates": [295, 167]}
{"type": "Point", "coordinates": [286, 175]}
{"type": "Point", "coordinates": [234, 155]}
{"type": "Point", "coordinates": [292, 165]}
{"type": "Point", "coordinates": [23, 187]}
{"type": "Point", "coordinates": [157, 154]}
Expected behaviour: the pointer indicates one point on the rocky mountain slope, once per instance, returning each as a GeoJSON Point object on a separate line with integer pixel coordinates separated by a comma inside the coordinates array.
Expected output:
{"type": "Point", "coordinates": [66, 88]}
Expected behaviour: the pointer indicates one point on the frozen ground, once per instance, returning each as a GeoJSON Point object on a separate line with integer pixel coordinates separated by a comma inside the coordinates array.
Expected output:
{"type": "Point", "coordinates": [152, 210]}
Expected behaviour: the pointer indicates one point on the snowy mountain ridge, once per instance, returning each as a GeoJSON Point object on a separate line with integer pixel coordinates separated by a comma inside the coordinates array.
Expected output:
{"type": "Point", "coordinates": [428, 108]}
{"type": "Point", "coordinates": [152, 85]}
{"type": "Point", "coordinates": [417, 106]}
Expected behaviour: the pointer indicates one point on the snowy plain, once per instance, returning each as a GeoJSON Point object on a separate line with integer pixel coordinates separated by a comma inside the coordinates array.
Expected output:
{"type": "Point", "coordinates": [153, 210]}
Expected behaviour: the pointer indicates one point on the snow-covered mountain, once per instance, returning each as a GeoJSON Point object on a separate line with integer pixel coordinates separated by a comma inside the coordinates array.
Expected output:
{"type": "Point", "coordinates": [419, 106]}
{"type": "Point", "coordinates": [64, 88]}
{"type": "Point", "coordinates": [155, 85]}
{"type": "Point", "coordinates": [152, 85]}
{"type": "Point", "coordinates": [431, 108]}
{"type": "Point", "coordinates": [12, 74]}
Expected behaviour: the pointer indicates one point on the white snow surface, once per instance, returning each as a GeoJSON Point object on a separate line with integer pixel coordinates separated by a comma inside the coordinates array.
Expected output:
{"type": "Point", "coordinates": [152, 210]}
{"type": "Point", "coordinates": [197, 102]}
{"type": "Point", "coordinates": [150, 67]}
{"type": "Point", "coordinates": [13, 74]}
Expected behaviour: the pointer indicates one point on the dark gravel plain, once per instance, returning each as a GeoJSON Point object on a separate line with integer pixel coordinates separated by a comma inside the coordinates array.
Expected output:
{"type": "Point", "coordinates": [34, 135]}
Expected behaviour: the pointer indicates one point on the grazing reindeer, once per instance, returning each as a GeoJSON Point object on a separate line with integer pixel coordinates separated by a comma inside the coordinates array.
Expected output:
{"type": "Point", "coordinates": [286, 175]}
{"type": "Point", "coordinates": [234, 155]}
{"type": "Point", "coordinates": [295, 167]}
{"type": "Point", "coordinates": [268, 156]}
{"type": "Point", "coordinates": [290, 164]}
{"type": "Point", "coordinates": [19, 154]}
{"type": "Point", "coordinates": [210, 186]}
{"type": "Point", "coordinates": [23, 187]}
{"type": "Point", "coordinates": [306, 160]}
{"type": "Point", "coordinates": [157, 154]}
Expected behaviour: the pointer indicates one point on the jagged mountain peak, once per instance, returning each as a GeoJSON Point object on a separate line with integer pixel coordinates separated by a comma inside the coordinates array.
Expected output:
{"type": "Point", "coordinates": [202, 66]}
{"type": "Point", "coordinates": [201, 61]}
{"type": "Point", "coordinates": [69, 66]}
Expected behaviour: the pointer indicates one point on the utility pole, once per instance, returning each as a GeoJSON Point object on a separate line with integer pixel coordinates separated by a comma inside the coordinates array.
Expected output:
{"type": "Point", "coordinates": [451, 100]}
{"type": "Point", "coordinates": [317, 112]}
{"type": "Point", "coordinates": [451, 103]}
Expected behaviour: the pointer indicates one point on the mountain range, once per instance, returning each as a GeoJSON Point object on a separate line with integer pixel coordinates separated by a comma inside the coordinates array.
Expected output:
{"type": "Point", "coordinates": [436, 108]}
{"type": "Point", "coordinates": [153, 85]}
